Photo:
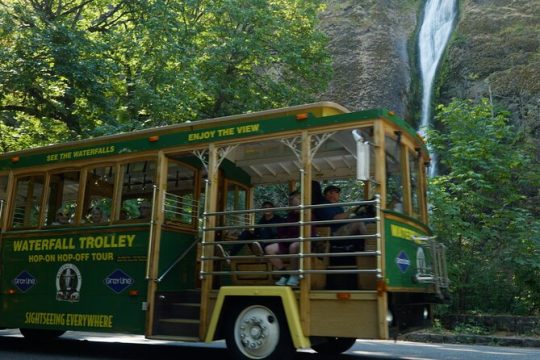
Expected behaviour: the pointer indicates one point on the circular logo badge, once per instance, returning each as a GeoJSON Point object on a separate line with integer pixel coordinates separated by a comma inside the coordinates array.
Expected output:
{"type": "Point", "coordinates": [68, 283]}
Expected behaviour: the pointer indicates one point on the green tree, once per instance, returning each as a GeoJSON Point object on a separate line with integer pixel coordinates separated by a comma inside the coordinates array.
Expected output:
{"type": "Point", "coordinates": [479, 209]}
{"type": "Point", "coordinates": [97, 67]}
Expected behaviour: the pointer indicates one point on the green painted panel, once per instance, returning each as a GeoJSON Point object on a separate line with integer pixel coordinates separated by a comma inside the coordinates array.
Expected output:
{"type": "Point", "coordinates": [182, 274]}
{"type": "Point", "coordinates": [75, 280]}
{"type": "Point", "coordinates": [182, 135]}
{"type": "Point", "coordinates": [404, 256]}
{"type": "Point", "coordinates": [232, 172]}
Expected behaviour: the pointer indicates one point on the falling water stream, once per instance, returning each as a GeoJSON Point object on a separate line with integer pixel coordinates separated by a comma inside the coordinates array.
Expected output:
{"type": "Point", "coordinates": [436, 28]}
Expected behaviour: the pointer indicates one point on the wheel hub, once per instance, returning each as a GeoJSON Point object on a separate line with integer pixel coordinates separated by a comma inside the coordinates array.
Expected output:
{"type": "Point", "coordinates": [256, 332]}
{"type": "Point", "coordinates": [252, 332]}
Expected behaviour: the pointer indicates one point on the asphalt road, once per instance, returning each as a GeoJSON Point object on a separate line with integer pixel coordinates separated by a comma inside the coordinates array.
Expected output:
{"type": "Point", "coordinates": [97, 346]}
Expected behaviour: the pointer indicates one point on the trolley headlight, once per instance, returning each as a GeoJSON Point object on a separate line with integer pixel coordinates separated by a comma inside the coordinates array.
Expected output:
{"type": "Point", "coordinates": [389, 317]}
{"type": "Point", "coordinates": [425, 313]}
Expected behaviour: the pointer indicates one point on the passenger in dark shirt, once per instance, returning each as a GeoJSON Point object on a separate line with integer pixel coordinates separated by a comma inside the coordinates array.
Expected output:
{"type": "Point", "coordinates": [331, 195]}
{"type": "Point", "coordinates": [287, 232]}
{"type": "Point", "coordinates": [145, 210]}
{"type": "Point", "coordinates": [260, 233]}
{"type": "Point", "coordinates": [95, 215]}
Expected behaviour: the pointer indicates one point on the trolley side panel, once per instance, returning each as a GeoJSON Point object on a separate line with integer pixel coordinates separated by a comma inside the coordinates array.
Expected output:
{"type": "Point", "coordinates": [89, 280]}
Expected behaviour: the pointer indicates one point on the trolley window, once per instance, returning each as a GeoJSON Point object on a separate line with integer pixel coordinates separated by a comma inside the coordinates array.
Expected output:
{"type": "Point", "coordinates": [28, 197]}
{"type": "Point", "coordinates": [414, 166]}
{"type": "Point", "coordinates": [138, 180]}
{"type": "Point", "coordinates": [237, 197]}
{"type": "Point", "coordinates": [63, 193]}
{"type": "Point", "coordinates": [394, 179]}
{"type": "Point", "coordinates": [99, 194]}
{"type": "Point", "coordinates": [3, 196]}
{"type": "Point", "coordinates": [180, 203]}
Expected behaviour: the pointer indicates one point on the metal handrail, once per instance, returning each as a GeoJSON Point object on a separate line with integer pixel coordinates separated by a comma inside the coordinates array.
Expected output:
{"type": "Point", "coordinates": [298, 207]}
{"type": "Point", "coordinates": [177, 260]}
{"type": "Point", "coordinates": [177, 209]}
{"type": "Point", "coordinates": [166, 209]}
{"type": "Point", "coordinates": [376, 272]}
{"type": "Point", "coordinates": [297, 223]}
{"type": "Point", "coordinates": [291, 256]}
{"type": "Point", "coordinates": [205, 217]}
{"type": "Point", "coordinates": [337, 238]}
{"type": "Point", "coordinates": [439, 275]}
{"type": "Point", "coordinates": [300, 271]}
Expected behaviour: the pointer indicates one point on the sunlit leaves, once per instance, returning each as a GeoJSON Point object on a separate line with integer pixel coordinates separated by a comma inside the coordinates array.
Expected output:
{"type": "Point", "coordinates": [479, 208]}
{"type": "Point", "coordinates": [108, 66]}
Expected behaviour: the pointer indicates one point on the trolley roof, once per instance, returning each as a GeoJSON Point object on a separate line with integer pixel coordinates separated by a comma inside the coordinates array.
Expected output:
{"type": "Point", "coordinates": [332, 159]}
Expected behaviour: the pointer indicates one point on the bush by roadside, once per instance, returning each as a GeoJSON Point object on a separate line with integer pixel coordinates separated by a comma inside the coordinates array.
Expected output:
{"type": "Point", "coordinates": [482, 330]}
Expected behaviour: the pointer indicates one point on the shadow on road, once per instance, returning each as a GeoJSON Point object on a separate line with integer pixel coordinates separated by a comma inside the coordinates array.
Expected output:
{"type": "Point", "coordinates": [66, 348]}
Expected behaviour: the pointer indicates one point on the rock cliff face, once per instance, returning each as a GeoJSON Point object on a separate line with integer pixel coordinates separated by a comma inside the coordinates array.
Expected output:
{"type": "Point", "coordinates": [369, 41]}
{"type": "Point", "coordinates": [494, 51]}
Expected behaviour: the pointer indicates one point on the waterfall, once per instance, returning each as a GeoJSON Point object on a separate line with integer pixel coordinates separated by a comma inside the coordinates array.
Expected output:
{"type": "Point", "coordinates": [434, 34]}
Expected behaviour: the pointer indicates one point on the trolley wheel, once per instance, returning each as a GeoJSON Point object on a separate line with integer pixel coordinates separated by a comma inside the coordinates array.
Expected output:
{"type": "Point", "coordinates": [41, 334]}
{"type": "Point", "coordinates": [334, 345]}
{"type": "Point", "coordinates": [259, 331]}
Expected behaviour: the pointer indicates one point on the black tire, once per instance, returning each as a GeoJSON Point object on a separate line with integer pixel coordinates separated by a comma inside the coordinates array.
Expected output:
{"type": "Point", "coordinates": [258, 330]}
{"type": "Point", "coordinates": [40, 334]}
{"type": "Point", "coordinates": [334, 345]}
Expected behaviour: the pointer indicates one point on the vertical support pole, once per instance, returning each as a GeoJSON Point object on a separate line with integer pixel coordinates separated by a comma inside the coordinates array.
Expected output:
{"type": "Point", "coordinates": [380, 176]}
{"type": "Point", "coordinates": [81, 198]}
{"type": "Point", "coordinates": [117, 195]}
{"type": "Point", "coordinates": [380, 159]}
{"type": "Point", "coordinates": [154, 240]}
{"type": "Point", "coordinates": [382, 298]}
{"type": "Point", "coordinates": [305, 231]}
{"type": "Point", "coordinates": [423, 185]}
{"type": "Point", "coordinates": [1, 213]}
{"type": "Point", "coordinates": [211, 197]}
{"type": "Point", "coordinates": [8, 210]}
{"type": "Point", "coordinates": [45, 200]}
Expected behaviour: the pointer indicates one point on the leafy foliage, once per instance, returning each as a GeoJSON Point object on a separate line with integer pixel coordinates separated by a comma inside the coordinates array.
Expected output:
{"type": "Point", "coordinates": [98, 67]}
{"type": "Point", "coordinates": [479, 210]}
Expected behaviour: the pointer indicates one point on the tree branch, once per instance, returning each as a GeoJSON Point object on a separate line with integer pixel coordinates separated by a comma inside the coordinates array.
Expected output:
{"type": "Point", "coordinates": [104, 21]}
{"type": "Point", "coordinates": [20, 108]}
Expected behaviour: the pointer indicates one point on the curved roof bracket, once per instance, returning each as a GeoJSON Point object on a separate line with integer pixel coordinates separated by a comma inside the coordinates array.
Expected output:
{"type": "Point", "coordinates": [202, 155]}
{"type": "Point", "coordinates": [295, 145]}
{"type": "Point", "coordinates": [317, 141]}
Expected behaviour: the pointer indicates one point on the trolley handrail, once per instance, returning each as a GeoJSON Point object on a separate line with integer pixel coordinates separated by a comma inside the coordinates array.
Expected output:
{"type": "Point", "coordinates": [297, 223]}
{"type": "Point", "coordinates": [151, 231]}
{"type": "Point", "coordinates": [205, 219]}
{"type": "Point", "coordinates": [177, 260]}
{"type": "Point", "coordinates": [335, 239]}
{"type": "Point", "coordinates": [439, 271]}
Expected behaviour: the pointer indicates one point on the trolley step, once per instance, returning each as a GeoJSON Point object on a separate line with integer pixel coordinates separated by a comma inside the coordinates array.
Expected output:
{"type": "Point", "coordinates": [177, 314]}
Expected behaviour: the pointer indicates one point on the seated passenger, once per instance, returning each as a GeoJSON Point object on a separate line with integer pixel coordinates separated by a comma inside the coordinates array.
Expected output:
{"type": "Point", "coordinates": [316, 193]}
{"type": "Point", "coordinates": [95, 215]}
{"type": "Point", "coordinates": [144, 210]}
{"type": "Point", "coordinates": [331, 195]}
{"type": "Point", "coordinates": [288, 232]}
{"type": "Point", "coordinates": [62, 217]}
{"type": "Point", "coordinates": [395, 203]}
{"type": "Point", "coordinates": [259, 233]}
{"type": "Point", "coordinates": [124, 214]}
